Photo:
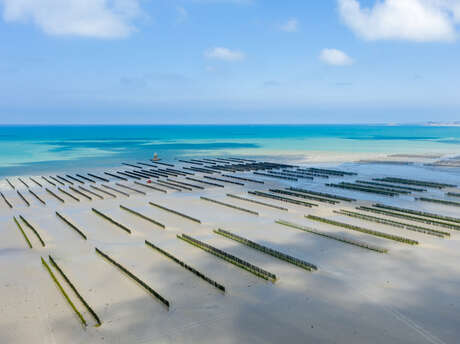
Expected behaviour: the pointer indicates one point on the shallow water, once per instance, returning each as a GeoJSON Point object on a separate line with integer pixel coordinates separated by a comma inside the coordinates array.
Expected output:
{"type": "Point", "coordinates": [36, 149]}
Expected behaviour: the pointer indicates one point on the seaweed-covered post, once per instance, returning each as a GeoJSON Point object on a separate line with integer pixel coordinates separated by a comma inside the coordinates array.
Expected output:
{"type": "Point", "coordinates": [88, 307]}
{"type": "Point", "coordinates": [186, 266]}
{"type": "Point", "coordinates": [135, 278]}
{"type": "Point", "coordinates": [22, 231]}
{"type": "Point", "coordinates": [58, 284]}
{"type": "Point", "coordinates": [71, 225]}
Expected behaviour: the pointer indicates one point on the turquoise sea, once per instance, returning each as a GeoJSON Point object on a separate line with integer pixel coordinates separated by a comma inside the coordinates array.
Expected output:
{"type": "Point", "coordinates": [35, 149]}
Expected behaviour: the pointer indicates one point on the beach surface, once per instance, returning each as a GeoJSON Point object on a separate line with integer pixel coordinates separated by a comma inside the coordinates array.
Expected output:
{"type": "Point", "coordinates": [409, 294]}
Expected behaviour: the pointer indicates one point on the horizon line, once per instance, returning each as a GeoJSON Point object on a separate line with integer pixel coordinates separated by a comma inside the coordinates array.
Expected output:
{"type": "Point", "coordinates": [231, 124]}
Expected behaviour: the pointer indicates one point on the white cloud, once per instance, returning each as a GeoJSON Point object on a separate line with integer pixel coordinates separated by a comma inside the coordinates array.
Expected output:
{"type": "Point", "coordinates": [89, 18]}
{"type": "Point", "coordinates": [225, 54]}
{"type": "Point", "coordinates": [414, 20]}
{"type": "Point", "coordinates": [335, 57]}
{"type": "Point", "coordinates": [182, 14]}
{"type": "Point", "coordinates": [292, 25]}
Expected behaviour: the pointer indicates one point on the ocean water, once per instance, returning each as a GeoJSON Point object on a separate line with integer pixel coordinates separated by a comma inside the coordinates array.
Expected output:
{"type": "Point", "coordinates": [36, 149]}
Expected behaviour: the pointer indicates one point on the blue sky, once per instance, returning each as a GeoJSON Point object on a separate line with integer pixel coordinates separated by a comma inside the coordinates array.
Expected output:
{"type": "Point", "coordinates": [229, 61]}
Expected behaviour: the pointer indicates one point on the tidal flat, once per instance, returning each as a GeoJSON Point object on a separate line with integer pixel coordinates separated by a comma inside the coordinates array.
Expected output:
{"type": "Point", "coordinates": [231, 250]}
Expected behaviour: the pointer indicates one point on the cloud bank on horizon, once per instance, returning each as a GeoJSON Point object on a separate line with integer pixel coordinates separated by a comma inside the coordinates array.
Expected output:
{"type": "Point", "coordinates": [243, 55]}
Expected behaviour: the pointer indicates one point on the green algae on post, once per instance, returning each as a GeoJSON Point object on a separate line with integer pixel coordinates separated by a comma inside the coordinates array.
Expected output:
{"type": "Point", "coordinates": [143, 216]}
{"type": "Point", "coordinates": [174, 185]}
{"type": "Point", "coordinates": [37, 197]}
{"type": "Point", "coordinates": [322, 194]}
{"type": "Point", "coordinates": [88, 307]}
{"type": "Point", "coordinates": [32, 179]}
{"type": "Point", "coordinates": [75, 179]}
{"type": "Point", "coordinates": [150, 187]}
{"type": "Point", "coordinates": [338, 173]}
{"type": "Point", "coordinates": [186, 184]}
{"type": "Point", "coordinates": [257, 202]}
{"type": "Point", "coordinates": [91, 192]}
{"type": "Point", "coordinates": [83, 321]}
{"type": "Point", "coordinates": [224, 180]}
{"type": "Point", "coordinates": [424, 183]}
{"type": "Point", "coordinates": [62, 178]}
{"type": "Point", "coordinates": [86, 178]}
{"type": "Point", "coordinates": [6, 201]}
{"type": "Point", "coordinates": [22, 231]}
{"type": "Point", "coordinates": [175, 212]}
{"type": "Point", "coordinates": [363, 230]}
{"type": "Point", "coordinates": [11, 185]}
{"type": "Point", "coordinates": [134, 277]}
{"type": "Point", "coordinates": [74, 227]}
{"type": "Point", "coordinates": [301, 195]}
{"type": "Point", "coordinates": [419, 213]}
{"type": "Point", "coordinates": [332, 236]}
{"type": "Point", "coordinates": [186, 266]}
{"type": "Point", "coordinates": [33, 230]}
{"type": "Point", "coordinates": [23, 198]}
{"type": "Point", "coordinates": [205, 182]}
{"type": "Point", "coordinates": [410, 217]}
{"type": "Point", "coordinates": [229, 258]}
{"type": "Point", "coordinates": [108, 218]}
{"type": "Point", "coordinates": [103, 191]}
{"type": "Point", "coordinates": [397, 224]}
{"type": "Point", "coordinates": [130, 188]}
{"type": "Point", "coordinates": [229, 205]}
{"type": "Point", "coordinates": [244, 179]}
{"type": "Point", "coordinates": [115, 176]}
{"type": "Point", "coordinates": [441, 201]}
{"type": "Point", "coordinates": [47, 180]}
{"type": "Point", "coordinates": [282, 199]}
{"type": "Point", "coordinates": [116, 190]}
{"type": "Point", "coordinates": [80, 193]}
{"type": "Point", "coordinates": [23, 182]}
{"type": "Point", "coordinates": [68, 194]}
{"type": "Point", "coordinates": [53, 194]}
{"type": "Point", "coordinates": [295, 175]}
{"type": "Point", "coordinates": [390, 186]}
{"type": "Point", "coordinates": [275, 176]}
{"type": "Point", "coordinates": [275, 253]}
{"type": "Point", "coordinates": [363, 189]}
{"type": "Point", "coordinates": [97, 177]}
{"type": "Point", "coordinates": [166, 185]}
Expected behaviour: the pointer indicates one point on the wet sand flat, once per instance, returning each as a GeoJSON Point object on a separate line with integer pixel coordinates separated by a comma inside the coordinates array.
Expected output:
{"type": "Point", "coordinates": [408, 295]}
